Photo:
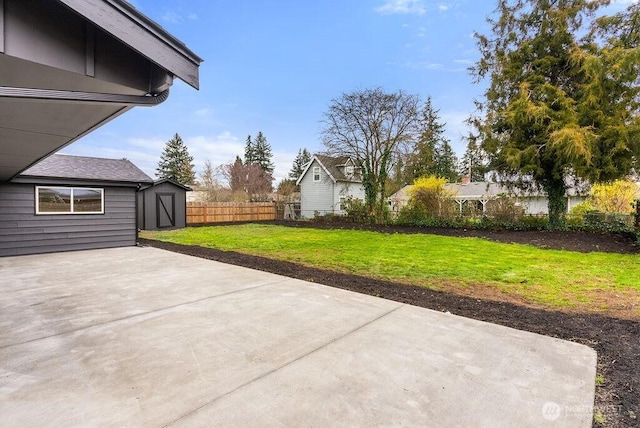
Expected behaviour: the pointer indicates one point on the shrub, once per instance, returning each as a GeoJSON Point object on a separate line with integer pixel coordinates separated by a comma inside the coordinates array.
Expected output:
{"type": "Point", "coordinates": [357, 211]}
{"type": "Point", "coordinates": [577, 213]}
{"type": "Point", "coordinates": [429, 195]}
{"type": "Point", "coordinates": [615, 197]}
{"type": "Point", "coordinates": [504, 208]}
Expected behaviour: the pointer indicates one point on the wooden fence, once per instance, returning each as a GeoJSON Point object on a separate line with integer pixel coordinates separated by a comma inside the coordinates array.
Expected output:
{"type": "Point", "coordinates": [219, 212]}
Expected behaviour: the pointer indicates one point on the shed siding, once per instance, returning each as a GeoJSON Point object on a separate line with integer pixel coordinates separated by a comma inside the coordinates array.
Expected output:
{"type": "Point", "coordinates": [147, 214]}
{"type": "Point", "coordinates": [316, 196]}
{"type": "Point", "coordinates": [23, 232]}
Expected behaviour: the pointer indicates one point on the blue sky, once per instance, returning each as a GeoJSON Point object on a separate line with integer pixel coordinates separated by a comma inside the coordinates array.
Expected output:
{"type": "Point", "coordinates": [274, 66]}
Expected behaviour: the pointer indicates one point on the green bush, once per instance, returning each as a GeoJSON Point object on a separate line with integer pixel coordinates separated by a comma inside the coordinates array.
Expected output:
{"type": "Point", "coordinates": [357, 211]}
{"type": "Point", "coordinates": [577, 213]}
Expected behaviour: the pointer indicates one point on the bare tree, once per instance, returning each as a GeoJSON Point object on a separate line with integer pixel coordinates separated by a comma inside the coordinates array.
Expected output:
{"type": "Point", "coordinates": [214, 191]}
{"type": "Point", "coordinates": [373, 127]}
{"type": "Point", "coordinates": [250, 180]}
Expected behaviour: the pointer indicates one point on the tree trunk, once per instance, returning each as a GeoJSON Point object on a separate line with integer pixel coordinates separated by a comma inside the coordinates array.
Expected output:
{"type": "Point", "coordinates": [556, 190]}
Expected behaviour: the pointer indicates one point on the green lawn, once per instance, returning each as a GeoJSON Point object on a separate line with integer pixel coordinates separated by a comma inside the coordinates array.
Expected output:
{"type": "Point", "coordinates": [556, 279]}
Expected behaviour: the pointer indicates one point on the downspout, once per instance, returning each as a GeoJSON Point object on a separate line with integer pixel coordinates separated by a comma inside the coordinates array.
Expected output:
{"type": "Point", "coordinates": [91, 97]}
{"type": "Point", "coordinates": [137, 213]}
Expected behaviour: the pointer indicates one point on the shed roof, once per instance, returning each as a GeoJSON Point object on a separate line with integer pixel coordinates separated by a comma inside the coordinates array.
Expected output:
{"type": "Point", "coordinates": [169, 181]}
{"type": "Point", "coordinates": [87, 168]}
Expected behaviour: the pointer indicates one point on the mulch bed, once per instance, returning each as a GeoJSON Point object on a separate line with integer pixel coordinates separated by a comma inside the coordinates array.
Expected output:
{"type": "Point", "coordinates": [617, 341]}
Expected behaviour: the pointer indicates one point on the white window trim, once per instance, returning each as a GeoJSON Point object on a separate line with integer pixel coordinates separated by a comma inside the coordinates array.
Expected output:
{"type": "Point", "coordinates": [37, 197]}
{"type": "Point", "coordinates": [316, 171]}
{"type": "Point", "coordinates": [341, 202]}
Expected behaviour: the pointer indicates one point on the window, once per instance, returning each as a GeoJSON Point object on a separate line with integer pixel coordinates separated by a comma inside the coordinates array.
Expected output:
{"type": "Point", "coordinates": [349, 171]}
{"type": "Point", "coordinates": [69, 200]}
{"type": "Point", "coordinates": [341, 204]}
{"type": "Point", "coordinates": [316, 173]}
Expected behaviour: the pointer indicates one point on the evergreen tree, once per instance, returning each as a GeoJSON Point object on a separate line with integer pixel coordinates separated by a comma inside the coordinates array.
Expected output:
{"type": "Point", "coordinates": [175, 162]}
{"type": "Point", "coordinates": [263, 154]}
{"type": "Point", "coordinates": [299, 163]}
{"type": "Point", "coordinates": [445, 162]}
{"type": "Point", "coordinates": [562, 96]}
{"type": "Point", "coordinates": [432, 153]}
{"type": "Point", "coordinates": [249, 152]}
{"type": "Point", "coordinates": [473, 161]}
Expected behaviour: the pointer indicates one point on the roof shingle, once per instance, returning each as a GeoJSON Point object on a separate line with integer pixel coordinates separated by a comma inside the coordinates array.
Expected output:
{"type": "Point", "coordinates": [87, 168]}
{"type": "Point", "coordinates": [334, 166]}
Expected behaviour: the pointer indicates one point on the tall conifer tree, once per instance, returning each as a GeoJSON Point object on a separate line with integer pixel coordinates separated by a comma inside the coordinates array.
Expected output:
{"type": "Point", "coordinates": [175, 162]}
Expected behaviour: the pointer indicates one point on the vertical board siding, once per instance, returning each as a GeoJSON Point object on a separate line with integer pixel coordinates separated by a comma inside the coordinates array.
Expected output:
{"type": "Point", "coordinates": [24, 232]}
{"type": "Point", "coordinates": [223, 212]}
{"type": "Point", "coordinates": [147, 214]}
{"type": "Point", "coordinates": [316, 196]}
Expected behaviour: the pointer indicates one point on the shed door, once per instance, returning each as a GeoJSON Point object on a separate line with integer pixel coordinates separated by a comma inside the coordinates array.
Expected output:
{"type": "Point", "coordinates": [166, 210]}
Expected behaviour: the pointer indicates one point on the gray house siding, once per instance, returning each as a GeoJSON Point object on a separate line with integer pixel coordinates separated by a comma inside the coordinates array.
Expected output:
{"type": "Point", "coordinates": [152, 216]}
{"type": "Point", "coordinates": [345, 190]}
{"type": "Point", "coordinates": [316, 196]}
{"type": "Point", "coordinates": [24, 232]}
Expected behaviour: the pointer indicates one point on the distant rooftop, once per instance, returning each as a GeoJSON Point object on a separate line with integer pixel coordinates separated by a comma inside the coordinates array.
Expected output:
{"type": "Point", "coordinates": [335, 167]}
{"type": "Point", "coordinates": [87, 168]}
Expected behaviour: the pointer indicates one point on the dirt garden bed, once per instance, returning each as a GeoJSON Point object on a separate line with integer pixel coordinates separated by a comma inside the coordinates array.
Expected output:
{"type": "Point", "coordinates": [617, 341]}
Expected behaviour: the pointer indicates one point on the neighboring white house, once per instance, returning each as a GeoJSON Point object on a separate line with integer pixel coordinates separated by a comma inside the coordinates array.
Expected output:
{"type": "Point", "coordinates": [326, 183]}
{"type": "Point", "coordinates": [482, 192]}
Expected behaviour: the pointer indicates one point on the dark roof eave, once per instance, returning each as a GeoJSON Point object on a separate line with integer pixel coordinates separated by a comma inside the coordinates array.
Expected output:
{"type": "Point", "coordinates": [141, 34]}
{"type": "Point", "coordinates": [29, 179]}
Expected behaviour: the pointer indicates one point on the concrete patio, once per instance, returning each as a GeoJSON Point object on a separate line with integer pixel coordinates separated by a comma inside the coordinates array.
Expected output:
{"type": "Point", "coordinates": [145, 337]}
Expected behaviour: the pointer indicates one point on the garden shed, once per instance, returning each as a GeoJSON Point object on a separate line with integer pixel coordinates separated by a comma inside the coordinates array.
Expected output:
{"type": "Point", "coordinates": [162, 205]}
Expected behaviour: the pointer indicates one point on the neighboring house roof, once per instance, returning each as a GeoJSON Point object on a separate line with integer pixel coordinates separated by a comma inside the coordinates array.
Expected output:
{"type": "Point", "coordinates": [478, 190]}
{"type": "Point", "coordinates": [475, 190]}
{"type": "Point", "coordinates": [87, 168]}
{"type": "Point", "coordinates": [334, 167]}
{"type": "Point", "coordinates": [402, 194]}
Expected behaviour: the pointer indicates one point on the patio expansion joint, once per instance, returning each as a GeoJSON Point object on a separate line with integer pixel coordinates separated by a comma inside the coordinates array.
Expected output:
{"type": "Point", "coordinates": [140, 314]}
{"type": "Point", "coordinates": [288, 363]}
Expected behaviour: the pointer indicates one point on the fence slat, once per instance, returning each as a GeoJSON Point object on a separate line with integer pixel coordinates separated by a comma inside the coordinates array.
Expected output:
{"type": "Point", "coordinates": [222, 212]}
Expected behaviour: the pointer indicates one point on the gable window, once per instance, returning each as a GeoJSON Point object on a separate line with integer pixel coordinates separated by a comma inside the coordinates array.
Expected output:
{"type": "Point", "coordinates": [316, 173]}
{"type": "Point", "coordinates": [69, 200]}
{"type": "Point", "coordinates": [349, 170]}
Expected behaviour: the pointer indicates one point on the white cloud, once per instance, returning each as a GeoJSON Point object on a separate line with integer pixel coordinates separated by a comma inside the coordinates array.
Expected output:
{"type": "Point", "coordinates": [178, 16]}
{"type": "Point", "coordinates": [145, 152]}
{"type": "Point", "coordinates": [171, 17]}
{"type": "Point", "coordinates": [224, 148]}
{"type": "Point", "coordinates": [443, 7]}
{"type": "Point", "coordinates": [424, 65]}
{"type": "Point", "coordinates": [391, 7]}
{"type": "Point", "coordinates": [283, 162]}
{"type": "Point", "coordinates": [456, 129]}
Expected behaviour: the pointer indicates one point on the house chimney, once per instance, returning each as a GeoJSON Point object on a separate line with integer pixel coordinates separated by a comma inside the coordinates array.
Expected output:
{"type": "Point", "coordinates": [466, 179]}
